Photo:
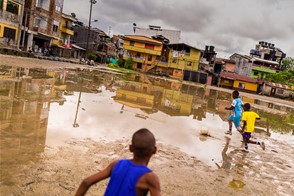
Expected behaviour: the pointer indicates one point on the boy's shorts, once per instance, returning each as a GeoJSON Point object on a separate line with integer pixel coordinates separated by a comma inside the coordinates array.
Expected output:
{"type": "Point", "coordinates": [236, 120]}
{"type": "Point", "coordinates": [247, 135]}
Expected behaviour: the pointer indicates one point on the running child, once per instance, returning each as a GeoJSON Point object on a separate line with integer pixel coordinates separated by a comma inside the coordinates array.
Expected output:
{"type": "Point", "coordinates": [248, 119]}
{"type": "Point", "coordinates": [235, 117]}
{"type": "Point", "coordinates": [129, 176]}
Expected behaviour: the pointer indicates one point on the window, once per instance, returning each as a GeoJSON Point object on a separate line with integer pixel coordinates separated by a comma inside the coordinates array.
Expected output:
{"type": "Point", "coordinates": [1, 4]}
{"type": "Point", "coordinates": [280, 91]}
{"type": "Point", "coordinates": [149, 46]}
{"type": "Point", "coordinates": [12, 7]}
{"type": "Point", "coordinates": [138, 54]}
{"type": "Point", "coordinates": [9, 33]}
{"type": "Point", "coordinates": [241, 85]}
{"type": "Point", "coordinates": [144, 89]}
{"type": "Point", "coordinates": [55, 26]}
{"type": "Point", "coordinates": [255, 73]}
{"type": "Point", "coordinates": [189, 63]}
{"type": "Point", "coordinates": [57, 8]}
{"type": "Point", "coordinates": [149, 57]}
{"type": "Point", "coordinates": [139, 65]}
{"type": "Point", "coordinates": [37, 22]}
{"type": "Point", "coordinates": [39, 3]}
{"type": "Point", "coordinates": [132, 43]}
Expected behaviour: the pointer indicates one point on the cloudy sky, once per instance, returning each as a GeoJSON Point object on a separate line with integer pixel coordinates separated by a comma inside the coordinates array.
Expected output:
{"type": "Point", "coordinates": [230, 25]}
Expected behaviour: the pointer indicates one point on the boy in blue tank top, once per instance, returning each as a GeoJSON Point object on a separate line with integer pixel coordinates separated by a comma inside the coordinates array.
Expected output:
{"type": "Point", "coordinates": [236, 115]}
{"type": "Point", "coordinates": [129, 176]}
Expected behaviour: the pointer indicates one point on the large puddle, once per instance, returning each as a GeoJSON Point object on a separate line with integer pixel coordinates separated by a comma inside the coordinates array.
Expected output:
{"type": "Point", "coordinates": [46, 108]}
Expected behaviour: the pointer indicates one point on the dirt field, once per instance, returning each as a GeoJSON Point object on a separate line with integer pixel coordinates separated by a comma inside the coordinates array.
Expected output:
{"type": "Point", "coordinates": [59, 171]}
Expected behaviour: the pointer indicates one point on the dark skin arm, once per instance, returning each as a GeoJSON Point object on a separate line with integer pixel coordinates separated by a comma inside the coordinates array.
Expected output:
{"type": "Point", "coordinates": [149, 182]}
{"type": "Point", "coordinates": [230, 108]}
{"type": "Point", "coordinates": [244, 125]}
{"type": "Point", "coordinates": [89, 181]}
{"type": "Point", "coordinates": [154, 186]}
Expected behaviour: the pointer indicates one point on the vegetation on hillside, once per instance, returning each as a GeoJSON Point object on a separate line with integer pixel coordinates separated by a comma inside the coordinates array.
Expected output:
{"type": "Point", "coordinates": [286, 76]}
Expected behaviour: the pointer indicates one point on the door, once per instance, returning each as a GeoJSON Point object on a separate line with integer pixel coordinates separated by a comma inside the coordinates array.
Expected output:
{"type": "Point", "coordinates": [273, 92]}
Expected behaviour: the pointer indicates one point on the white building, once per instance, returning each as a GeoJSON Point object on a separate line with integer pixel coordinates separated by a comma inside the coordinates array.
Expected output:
{"type": "Point", "coordinates": [173, 35]}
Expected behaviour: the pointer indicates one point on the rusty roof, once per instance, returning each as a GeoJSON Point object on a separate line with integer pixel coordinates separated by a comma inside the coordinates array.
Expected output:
{"type": "Point", "coordinates": [234, 76]}
{"type": "Point", "coordinates": [277, 85]}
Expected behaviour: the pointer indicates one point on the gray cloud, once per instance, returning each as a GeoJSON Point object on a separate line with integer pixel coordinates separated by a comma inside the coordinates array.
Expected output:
{"type": "Point", "coordinates": [230, 25]}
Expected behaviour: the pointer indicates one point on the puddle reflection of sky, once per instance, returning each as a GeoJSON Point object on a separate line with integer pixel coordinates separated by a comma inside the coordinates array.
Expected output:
{"type": "Point", "coordinates": [100, 117]}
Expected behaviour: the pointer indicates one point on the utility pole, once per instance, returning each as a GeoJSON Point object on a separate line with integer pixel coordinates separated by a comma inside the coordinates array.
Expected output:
{"type": "Point", "coordinates": [20, 24]}
{"type": "Point", "coordinates": [24, 30]}
{"type": "Point", "coordinates": [90, 17]}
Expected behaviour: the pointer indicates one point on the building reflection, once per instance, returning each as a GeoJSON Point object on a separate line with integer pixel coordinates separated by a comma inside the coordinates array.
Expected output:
{"type": "Point", "coordinates": [180, 99]}
{"type": "Point", "coordinates": [25, 103]}
{"type": "Point", "coordinates": [170, 97]}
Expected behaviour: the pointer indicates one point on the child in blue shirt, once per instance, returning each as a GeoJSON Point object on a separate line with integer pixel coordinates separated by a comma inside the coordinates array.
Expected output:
{"type": "Point", "coordinates": [129, 177]}
{"type": "Point", "coordinates": [235, 117]}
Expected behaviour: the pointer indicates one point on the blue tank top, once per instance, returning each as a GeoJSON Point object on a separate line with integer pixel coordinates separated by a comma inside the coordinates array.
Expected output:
{"type": "Point", "coordinates": [124, 177]}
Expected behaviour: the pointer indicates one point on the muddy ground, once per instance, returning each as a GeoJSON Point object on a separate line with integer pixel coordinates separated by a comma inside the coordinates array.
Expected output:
{"type": "Point", "coordinates": [59, 171]}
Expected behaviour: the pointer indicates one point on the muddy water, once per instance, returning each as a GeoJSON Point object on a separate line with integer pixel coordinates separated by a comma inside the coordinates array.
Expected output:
{"type": "Point", "coordinates": [47, 108]}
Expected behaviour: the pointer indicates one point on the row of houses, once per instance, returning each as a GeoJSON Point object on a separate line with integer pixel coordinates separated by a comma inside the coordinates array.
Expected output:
{"type": "Point", "coordinates": [182, 61]}
{"type": "Point", "coordinates": [40, 26]}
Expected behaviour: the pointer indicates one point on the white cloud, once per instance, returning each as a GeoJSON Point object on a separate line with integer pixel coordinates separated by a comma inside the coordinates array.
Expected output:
{"type": "Point", "coordinates": [230, 25]}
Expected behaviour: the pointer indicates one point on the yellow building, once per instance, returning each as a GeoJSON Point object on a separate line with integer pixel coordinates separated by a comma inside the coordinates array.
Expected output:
{"type": "Point", "coordinates": [235, 81]}
{"type": "Point", "coordinates": [143, 50]}
{"type": "Point", "coordinates": [10, 15]}
{"type": "Point", "coordinates": [66, 32]}
{"type": "Point", "coordinates": [183, 57]}
{"type": "Point", "coordinates": [175, 102]}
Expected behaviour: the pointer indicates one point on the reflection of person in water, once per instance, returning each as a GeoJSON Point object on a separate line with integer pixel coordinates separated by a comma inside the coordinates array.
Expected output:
{"type": "Point", "coordinates": [227, 159]}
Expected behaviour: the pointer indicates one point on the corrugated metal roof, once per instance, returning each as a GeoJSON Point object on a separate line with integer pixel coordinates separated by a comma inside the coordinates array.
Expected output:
{"type": "Point", "coordinates": [234, 76]}
{"type": "Point", "coordinates": [277, 85]}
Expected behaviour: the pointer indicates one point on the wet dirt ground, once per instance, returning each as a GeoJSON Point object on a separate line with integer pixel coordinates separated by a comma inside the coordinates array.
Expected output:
{"type": "Point", "coordinates": [53, 159]}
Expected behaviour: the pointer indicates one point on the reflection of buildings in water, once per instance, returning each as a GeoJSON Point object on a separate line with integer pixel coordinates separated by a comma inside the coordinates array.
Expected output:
{"type": "Point", "coordinates": [25, 120]}
{"type": "Point", "coordinates": [176, 103]}
{"type": "Point", "coordinates": [142, 93]}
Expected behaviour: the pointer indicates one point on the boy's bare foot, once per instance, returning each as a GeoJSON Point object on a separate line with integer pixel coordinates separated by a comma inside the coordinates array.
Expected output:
{"type": "Point", "coordinates": [262, 145]}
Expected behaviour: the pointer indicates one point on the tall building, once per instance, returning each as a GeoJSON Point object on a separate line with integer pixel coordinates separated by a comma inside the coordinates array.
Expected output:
{"type": "Point", "coordinates": [143, 50]}
{"type": "Point", "coordinates": [42, 19]}
{"type": "Point", "coordinates": [173, 36]}
{"type": "Point", "coordinates": [268, 51]}
{"type": "Point", "coordinates": [10, 18]}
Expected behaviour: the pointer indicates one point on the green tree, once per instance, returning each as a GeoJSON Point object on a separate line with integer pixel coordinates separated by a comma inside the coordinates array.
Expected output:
{"type": "Point", "coordinates": [288, 64]}
{"type": "Point", "coordinates": [120, 62]}
{"type": "Point", "coordinates": [91, 56]}
{"type": "Point", "coordinates": [129, 63]}
{"type": "Point", "coordinates": [286, 77]}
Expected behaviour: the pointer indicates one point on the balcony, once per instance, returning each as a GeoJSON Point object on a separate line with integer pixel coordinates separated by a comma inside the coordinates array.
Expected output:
{"type": "Point", "coordinates": [263, 69]}
{"type": "Point", "coordinates": [161, 63]}
{"type": "Point", "coordinates": [8, 17]}
{"type": "Point", "coordinates": [135, 59]}
{"type": "Point", "coordinates": [67, 30]}
{"type": "Point", "coordinates": [142, 50]}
